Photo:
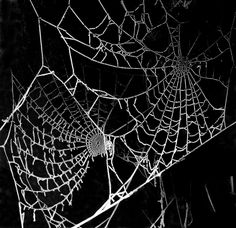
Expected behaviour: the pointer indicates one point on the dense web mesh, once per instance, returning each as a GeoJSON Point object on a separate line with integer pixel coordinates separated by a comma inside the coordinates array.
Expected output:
{"type": "Point", "coordinates": [152, 110]}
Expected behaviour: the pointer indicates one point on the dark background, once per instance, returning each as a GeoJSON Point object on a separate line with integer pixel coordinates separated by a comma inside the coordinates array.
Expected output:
{"type": "Point", "coordinates": [209, 167]}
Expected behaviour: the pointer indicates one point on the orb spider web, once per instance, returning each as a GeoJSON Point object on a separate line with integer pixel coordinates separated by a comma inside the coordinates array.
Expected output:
{"type": "Point", "coordinates": [154, 112]}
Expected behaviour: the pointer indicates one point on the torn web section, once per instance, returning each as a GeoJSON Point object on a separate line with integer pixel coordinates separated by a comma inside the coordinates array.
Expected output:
{"type": "Point", "coordinates": [129, 38]}
{"type": "Point", "coordinates": [48, 148]}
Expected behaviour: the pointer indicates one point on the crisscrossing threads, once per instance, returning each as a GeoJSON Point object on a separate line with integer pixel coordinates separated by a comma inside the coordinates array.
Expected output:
{"type": "Point", "coordinates": [95, 142]}
{"type": "Point", "coordinates": [182, 66]}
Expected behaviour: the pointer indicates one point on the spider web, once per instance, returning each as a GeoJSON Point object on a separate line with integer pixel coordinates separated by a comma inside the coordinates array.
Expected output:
{"type": "Point", "coordinates": [60, 124]}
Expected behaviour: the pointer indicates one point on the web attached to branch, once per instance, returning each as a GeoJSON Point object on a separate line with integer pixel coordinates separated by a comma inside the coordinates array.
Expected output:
{"type": "Point", "coordinates": [153, 115]}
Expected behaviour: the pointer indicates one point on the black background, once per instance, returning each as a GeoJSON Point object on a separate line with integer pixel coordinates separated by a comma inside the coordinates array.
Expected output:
{"type": "Point", "coordinates": [210, 166]}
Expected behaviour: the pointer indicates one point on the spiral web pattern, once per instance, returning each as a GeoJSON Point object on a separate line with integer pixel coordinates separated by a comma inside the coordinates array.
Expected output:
{"type": "Point", "coordinates": [50, 157]}
{"type": "Point", "coordinates": [59, 125]}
